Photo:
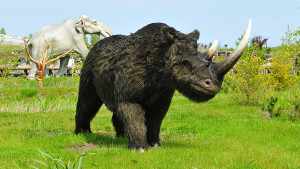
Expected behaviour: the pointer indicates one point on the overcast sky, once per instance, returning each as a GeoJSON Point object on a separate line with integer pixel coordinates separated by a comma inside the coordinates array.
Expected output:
{"type": "Point", "coordinates": [223, 20]}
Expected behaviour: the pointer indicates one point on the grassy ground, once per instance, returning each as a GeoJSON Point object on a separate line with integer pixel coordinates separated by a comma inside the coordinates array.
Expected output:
{"type": "Point", "coordinates": [6, 50]}
{"type": "Point", "coordinates": [216, 134]}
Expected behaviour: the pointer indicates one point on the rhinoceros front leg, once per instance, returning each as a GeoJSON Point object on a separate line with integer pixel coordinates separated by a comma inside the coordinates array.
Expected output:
{"type": "Point", "coordinates": [132, 116]}
{"type": "Point", "coordinates": [63, 65]}
{"type": "Point", "coordinates": [155, 114]}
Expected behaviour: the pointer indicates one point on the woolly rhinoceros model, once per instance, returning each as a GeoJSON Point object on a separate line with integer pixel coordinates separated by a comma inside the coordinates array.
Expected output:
{"type": "Point", "coordinates": [135, 77]}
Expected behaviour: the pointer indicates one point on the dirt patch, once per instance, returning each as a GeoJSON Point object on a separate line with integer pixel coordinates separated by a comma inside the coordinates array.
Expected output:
{"type": "Point", "coordinates": [84, 147]}
{"type": "Point", "coordinates": [49, 134]}
{"type": "Point", "coordinates": [266, 115]}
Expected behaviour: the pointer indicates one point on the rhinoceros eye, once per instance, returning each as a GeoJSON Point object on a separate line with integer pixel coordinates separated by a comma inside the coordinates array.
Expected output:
{"type": "Point", "coordinates": [187, 65]}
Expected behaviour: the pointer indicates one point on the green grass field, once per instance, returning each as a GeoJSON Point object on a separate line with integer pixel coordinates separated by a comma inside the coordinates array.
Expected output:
{"type": "Point", "coordinates": [216, 134]}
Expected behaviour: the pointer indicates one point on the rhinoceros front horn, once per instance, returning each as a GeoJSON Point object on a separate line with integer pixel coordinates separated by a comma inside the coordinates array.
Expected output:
{"type": "Point", "coordinates": [225, 65]}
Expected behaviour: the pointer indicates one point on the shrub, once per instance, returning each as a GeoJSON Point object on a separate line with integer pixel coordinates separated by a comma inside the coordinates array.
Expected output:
{"type": "Point", "coordinates": [271, 108]}
{"type": "Point", "coordinates": [295, 111]}
{"type": "Point", "coordinates": [283, 60]}
{"type": "Point", "coordinates": [76, 66]}
{"type": "Point", "coordinates": [228, 85]}
{"type": "Point", "coordinates": [250, 83]}
{"type": "Point", "coordinates": [281, 76]}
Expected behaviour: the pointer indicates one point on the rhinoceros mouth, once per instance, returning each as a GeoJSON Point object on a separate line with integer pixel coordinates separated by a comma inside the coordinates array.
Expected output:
{"type": "Point", "coordinates": [204, 90]}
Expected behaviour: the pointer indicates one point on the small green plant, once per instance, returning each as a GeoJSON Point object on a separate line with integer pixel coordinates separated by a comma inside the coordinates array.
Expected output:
{"type": "Point", "coordinates": [295, 112]}
{"type": "Point", "coordinates": [5, 67]}
{"type": "Point", "coordinates": [7, 64]}
{"type": "Point", "coordinates": [271, 109]}
{"type": "Point", "coordinates": [238, 41]}
{"type": "Point", "coordinates": [76, 67]}
{"type": "Point", "coordinates": [29, 92]}
{"type": "Point", "coordinates": [51, 162]}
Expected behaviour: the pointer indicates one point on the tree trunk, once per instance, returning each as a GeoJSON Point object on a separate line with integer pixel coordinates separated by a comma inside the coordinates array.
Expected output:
{"type": "Point", "coordinates": [41, 75]}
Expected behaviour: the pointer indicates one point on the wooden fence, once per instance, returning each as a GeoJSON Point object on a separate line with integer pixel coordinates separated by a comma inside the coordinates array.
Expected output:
{"type": "Point", "coordinates": [23, 69]}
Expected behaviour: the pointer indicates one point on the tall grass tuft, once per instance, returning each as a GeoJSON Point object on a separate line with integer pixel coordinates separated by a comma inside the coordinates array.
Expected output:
{"type": "Point", "coordinates": [29, 92]}
{"type": "Point", "coordinates": [51, 162]}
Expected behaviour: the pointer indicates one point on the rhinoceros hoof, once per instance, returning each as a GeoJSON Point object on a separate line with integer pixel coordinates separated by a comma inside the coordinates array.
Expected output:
{"type": "Point", "coordinates": [139, 147]}
{"type": "Point", "coordinates": [141, 150]}
{"type": "Point", "coordinates": [156, 144]}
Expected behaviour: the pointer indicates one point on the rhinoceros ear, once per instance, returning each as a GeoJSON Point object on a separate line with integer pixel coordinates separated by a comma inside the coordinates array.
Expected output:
{"type": "Point", "coordinates": [194, 35]}
{"type": "Point", "coordinates": [169, 33]}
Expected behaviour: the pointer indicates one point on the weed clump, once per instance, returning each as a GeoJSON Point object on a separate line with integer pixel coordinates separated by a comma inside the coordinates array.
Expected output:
{"type": "Point", "coordinates": [29, 92]}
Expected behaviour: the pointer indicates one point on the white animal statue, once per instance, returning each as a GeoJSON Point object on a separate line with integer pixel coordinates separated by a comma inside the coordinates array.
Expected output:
{"type": "Point", "coordinates": [63, 37]}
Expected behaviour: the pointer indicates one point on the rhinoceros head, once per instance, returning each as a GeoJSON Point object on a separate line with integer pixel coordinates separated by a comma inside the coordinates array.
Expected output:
{"type": "Point", "coordinates": [193, 73]}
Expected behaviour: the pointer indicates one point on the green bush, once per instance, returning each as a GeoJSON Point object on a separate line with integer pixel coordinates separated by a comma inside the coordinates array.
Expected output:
{"type": "Point", "coordinates": [284, 59]}
{"type": "Point", "coordinates": [281, 76]}
{"type": "Point", "coordinates": [228, 85]}
{"type": "Point", "coordinates": [249, 83]}
{"type": "Point", "coordinates": [295, 110]}
{"type": "Point", "coordinates": [271, 108]}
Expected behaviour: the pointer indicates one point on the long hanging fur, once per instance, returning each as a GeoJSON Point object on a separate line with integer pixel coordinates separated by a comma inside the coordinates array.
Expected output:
{"type": "Point", "coordinates": [135, 76]}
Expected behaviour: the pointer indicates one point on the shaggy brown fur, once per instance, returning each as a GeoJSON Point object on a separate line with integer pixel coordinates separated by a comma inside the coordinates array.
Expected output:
{"type": "Point", "coordinates": [135, 77]}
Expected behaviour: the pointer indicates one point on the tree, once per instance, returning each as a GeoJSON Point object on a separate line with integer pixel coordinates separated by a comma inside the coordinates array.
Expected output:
{"type": "Point", "coordinates": [225, 45]}
{"type": "Point", "coordinates": [30, 36]}
{"type": "Point", "coordinates": [259, 41]}
{"type": "Point", "coordinates": [41, 66]}
{"type": "Point", "coordinates": [94, 39]}
{"type": "Point", "coordinates": [86, 40]}
{"type": "Point", "coordinates": [2, 31]}
{"type": "Point", "coordinates": [237, 42]}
